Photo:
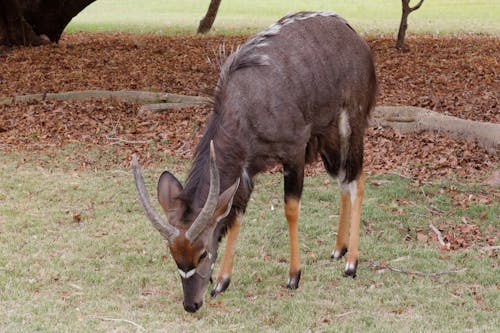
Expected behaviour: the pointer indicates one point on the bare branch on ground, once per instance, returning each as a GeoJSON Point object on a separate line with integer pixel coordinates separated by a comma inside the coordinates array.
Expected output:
{"type": "Point", "coordinates": [120, 320]}
{"type": "Point", "coordinates": [383, 267]}
{"type": "Point", "coordinates": [444, 245]}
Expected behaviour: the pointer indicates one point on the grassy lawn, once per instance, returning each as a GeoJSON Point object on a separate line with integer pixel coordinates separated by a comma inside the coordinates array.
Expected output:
{"type": "Point", "coordinates": [79, 255]}
{"type": "Point", "coordinates": [244, 17]}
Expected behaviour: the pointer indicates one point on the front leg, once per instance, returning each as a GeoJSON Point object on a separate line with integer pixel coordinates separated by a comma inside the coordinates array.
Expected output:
{"type": "Point", "coordinates": [224, 276]}
{"type": "Point", "coordinates": [294, 180]}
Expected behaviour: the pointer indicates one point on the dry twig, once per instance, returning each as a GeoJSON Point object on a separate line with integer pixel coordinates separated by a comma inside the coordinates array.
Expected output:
{"type": "Point", "coordinates": [401, 175]}
{"type": "Point", "coordinates": [490, 248]}
{"type": "Point", "coordinates": [344, 314]}
{"type": "Point", "coordinates": [444, 245]}
{"type": "Point", "coordinates": [120, 320]}
{"type": "Point", "coordinates": [119, 141]}
{"type": "Point", "coordinates": [382, 267]}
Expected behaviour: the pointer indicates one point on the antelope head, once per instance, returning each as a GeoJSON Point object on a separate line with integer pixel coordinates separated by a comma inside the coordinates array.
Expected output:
{"type": "Point", "coordinates": [188, 230]}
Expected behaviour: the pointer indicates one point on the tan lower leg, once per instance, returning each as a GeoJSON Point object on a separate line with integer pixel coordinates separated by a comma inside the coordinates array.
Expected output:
{"type": "Point", "coordinates": [228, 258]}
{"type": "Point", "coordinates": [343, 229]}
{"type": "Point", "coordinates": [292, 209]}
{"type": "Point", "coordinates": [356, 201]}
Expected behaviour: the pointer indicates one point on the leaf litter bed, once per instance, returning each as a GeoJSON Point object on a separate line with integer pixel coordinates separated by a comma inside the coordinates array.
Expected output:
{"type": "Point", "coordinates": [453, 75]}
{"type": "Point", "coordinates": [456, 75]}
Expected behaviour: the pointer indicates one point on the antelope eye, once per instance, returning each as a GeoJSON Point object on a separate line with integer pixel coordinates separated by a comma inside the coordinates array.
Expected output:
{"type": "Point", "coordinates": [203, 255]}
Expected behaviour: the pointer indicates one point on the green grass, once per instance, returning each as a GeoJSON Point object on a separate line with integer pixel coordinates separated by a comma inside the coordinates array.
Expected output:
{"type": "Point", "coordinates": [77, 252]}
{"type": "Point", "coordinates": [244, 17]}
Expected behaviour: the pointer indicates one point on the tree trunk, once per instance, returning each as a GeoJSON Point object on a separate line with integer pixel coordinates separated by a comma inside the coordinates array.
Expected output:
{"type": "Point", "coordinates": [403, 25]}
{"type": "Point", "coordinates": [14, 30]}
{"type": "Point", "coordinates": [36, 22]}
{"type": "Point", "coordinates": [400, 43]}
{"type": "Point", "coordinates": [207, 22]}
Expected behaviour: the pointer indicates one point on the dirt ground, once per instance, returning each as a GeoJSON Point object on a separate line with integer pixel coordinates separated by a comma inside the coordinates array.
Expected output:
{"type": "Point", "coordinates": [456, 75]}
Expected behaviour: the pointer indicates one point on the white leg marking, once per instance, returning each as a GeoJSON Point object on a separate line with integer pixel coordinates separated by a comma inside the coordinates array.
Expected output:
{"type": "Point", "coordinates": [221, 283]}
{"type": "Point", "coordinates": [336, 254]}
{"type": "Point", "coordinates": [350, 266]}
{"type": "Point", "coordinates": [345, 133]}
{"type": "Point", "coordinates": [218, 288]}
{"type": "Point", "coordinates": [351, 188]}
{"type": "Point", "coordinates": [344, 127]}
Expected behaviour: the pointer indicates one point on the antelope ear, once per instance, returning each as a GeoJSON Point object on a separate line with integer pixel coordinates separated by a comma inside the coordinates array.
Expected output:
{"type": "Point", "coordinates": [226, 201]}
{"type": "Point", "coordinates": [169, 189]}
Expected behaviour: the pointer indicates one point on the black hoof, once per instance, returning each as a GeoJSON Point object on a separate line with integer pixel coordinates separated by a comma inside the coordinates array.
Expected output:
{"type": "Point", "coordinates": [220, 287]}
{"type": "Point", "coordinates": [293, 281]}
{"type": "Point", "coordinates": [350, 269]}
{"type": "Point", "coordinates": [337, 255]}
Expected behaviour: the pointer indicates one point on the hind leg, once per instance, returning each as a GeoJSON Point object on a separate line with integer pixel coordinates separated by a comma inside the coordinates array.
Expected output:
{"type": "Point", "coordinates": [331, 161]}
{"type": "Point", "coordinates": [343, 158]}
{"type": "Point", "coordinates": [342, 241]}
{"type": "Point", "coordinates": [354, 190]}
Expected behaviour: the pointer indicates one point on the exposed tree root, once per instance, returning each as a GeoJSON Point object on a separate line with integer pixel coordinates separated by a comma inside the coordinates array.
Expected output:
{"type": "Point", "coordinates": [139, 97]}
{"type": "Point", "coordinates": [402, 118]}
{"type": "Point", "coordinates": [415, 119]}
{"type": "Point", "coordinates": [160, 107]}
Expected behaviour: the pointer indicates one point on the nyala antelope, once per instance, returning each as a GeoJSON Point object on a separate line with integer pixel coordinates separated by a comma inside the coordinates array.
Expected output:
{"type": "Point", "coordinates": [301, 88]}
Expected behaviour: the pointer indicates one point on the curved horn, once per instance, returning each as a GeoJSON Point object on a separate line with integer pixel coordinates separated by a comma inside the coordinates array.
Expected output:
{"type": "Point", "coordinates": [208, 209]}
{"type": "Point", "coordinates": [168, 231]}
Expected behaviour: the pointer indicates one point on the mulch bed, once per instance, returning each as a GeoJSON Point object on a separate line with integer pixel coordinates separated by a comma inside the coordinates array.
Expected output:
{"type": "Point", "coordinates": [453, 75]}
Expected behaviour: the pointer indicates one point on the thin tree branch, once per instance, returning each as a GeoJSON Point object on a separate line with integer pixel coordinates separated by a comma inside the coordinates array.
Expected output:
{"type": "Point", "coordinates": [417, 6]}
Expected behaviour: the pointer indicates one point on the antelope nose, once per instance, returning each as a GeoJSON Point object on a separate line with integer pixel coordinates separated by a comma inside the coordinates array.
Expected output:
{"type": "Point", "coordinates": [193, 307]}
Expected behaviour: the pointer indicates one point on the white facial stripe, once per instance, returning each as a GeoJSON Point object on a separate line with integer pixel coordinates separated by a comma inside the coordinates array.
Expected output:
{"type": "Point", "coordinates": [187, 275]}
